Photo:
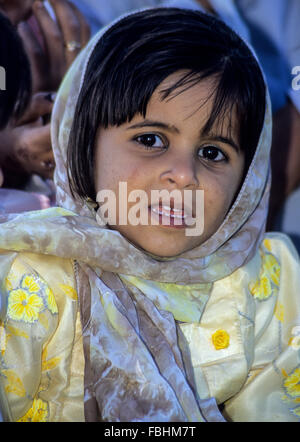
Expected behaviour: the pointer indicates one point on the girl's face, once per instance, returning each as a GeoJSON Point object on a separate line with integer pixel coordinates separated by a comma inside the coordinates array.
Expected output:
{"type": "Point", "coordinates": [167, 150]}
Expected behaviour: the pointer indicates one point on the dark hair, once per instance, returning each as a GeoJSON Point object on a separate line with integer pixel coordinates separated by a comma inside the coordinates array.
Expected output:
{"type": "Point", "coordinates": [136, 54]}
{"type": "Point", "coordinates": [16, 68]}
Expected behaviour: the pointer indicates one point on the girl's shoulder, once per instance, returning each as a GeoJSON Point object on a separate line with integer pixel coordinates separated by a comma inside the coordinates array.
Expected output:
{"type": "Point", "coordinates": [48, 270]}
{"type": "Point", "coordinates": [280, 245]}
{"type": "Point", "coordinates": [39, 283]}
{"type": "Point", "coordinates": [279, 269]}
{"type": "Point", "coordinates": [277, 286]}
{"type": "Point", "coordinates": [39, 329]}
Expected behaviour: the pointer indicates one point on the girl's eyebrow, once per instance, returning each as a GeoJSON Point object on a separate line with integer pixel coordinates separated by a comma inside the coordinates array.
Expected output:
{"type": "Point", "coordinates": [225, 140]}
{"type": "Point", "coordinates": [150, 123]}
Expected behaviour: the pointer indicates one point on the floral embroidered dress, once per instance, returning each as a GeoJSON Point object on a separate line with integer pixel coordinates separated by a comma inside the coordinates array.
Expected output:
{"type": "Point", "coordinates": [94, 329]}
{"type": "Point", "coordinates": [244, 350]}
{"type": "Point", "coordinates": [41, 341]}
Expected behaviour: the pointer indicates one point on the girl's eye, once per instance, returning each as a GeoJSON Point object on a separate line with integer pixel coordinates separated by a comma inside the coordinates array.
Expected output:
{"type": "Point", "coordinates": [151, 141]}
{"type": "Point", "coordinates": [212, 153]}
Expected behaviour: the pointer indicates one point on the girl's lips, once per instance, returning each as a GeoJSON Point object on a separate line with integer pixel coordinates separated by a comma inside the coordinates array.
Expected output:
{"type": "Point", "coordinates": [168, 216]}
{"type": "Point", "coordinates": [168, 211]}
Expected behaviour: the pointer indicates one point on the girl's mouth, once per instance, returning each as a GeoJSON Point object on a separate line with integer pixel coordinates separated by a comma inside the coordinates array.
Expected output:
{"type": "Point", "coordinates": [168, 216]}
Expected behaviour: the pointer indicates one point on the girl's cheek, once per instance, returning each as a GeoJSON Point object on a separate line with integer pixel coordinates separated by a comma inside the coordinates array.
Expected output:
{"type": "Point", "coordinates": [136, 174]}
{"type": "Point", "coordinates": [215, 188]}
{"type": "Point", "coordinates": [217, 198]}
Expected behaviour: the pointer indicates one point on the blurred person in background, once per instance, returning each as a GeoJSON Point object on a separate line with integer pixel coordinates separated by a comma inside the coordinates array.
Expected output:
{"type": "Point", "coordinates": [52, 39]}
{"type": "Point", "coordinates": [15, 96]}
{"type": "Point", "coordinates": [274, 30]}
{"type": "Point", "coordinates": [15, 76]}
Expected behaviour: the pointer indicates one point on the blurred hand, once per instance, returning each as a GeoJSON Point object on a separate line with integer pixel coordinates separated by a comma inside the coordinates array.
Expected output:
{"type": "Point", "coordinates": [28, 142]}
{"type": "Point", "coordinates": [16, 10]}
{"type": "Point", "coordinates": [62, 40]}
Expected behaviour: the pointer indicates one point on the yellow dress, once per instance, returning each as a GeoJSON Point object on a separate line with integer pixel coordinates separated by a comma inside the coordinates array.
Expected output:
{"type": "Point", "coordinates": [42, 361]}
{"type": "Point", "coordinates": [245, 351]}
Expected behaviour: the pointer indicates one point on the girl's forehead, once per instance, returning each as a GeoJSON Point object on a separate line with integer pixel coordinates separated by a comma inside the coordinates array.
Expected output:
{"type": "Point", "coordinates": [183, 80]}
{"type": "Point", "coordinates": [192, 102]}
{"type": "Point", "coordinates": [188, 95]}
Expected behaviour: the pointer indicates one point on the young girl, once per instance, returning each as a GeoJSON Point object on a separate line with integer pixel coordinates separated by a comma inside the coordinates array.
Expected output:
{"type": "Point", "coordinates": [148, 322]}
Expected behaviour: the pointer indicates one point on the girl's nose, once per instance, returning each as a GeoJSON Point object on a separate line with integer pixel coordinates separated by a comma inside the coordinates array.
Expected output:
{"type": "Point", "coordinates": [180, 173]}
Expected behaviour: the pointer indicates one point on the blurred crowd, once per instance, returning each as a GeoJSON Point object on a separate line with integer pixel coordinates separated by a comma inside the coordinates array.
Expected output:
{"type": "Point", "coordinates": [50, 34]}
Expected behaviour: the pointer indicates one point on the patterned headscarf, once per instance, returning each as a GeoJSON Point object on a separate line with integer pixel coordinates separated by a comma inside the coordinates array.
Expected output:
{"type": "Point", "coordinates": [137, 365]}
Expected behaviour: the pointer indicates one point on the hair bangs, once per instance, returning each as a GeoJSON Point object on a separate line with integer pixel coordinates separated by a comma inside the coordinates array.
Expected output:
{"type": "Point", "coordinates": [137, 54]}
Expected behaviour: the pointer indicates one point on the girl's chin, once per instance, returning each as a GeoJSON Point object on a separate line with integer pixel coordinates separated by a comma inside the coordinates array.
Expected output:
{"type": "Point", "coordinates": [160, 241]}
{"type": "Point", "coordinates": [166, 247]}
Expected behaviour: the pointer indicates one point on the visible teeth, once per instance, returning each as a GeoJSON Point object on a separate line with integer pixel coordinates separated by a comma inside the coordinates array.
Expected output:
{"type": "Point", "coordinates": [177, 216]}
{"type": "Point", "coordinates": [169, 209]}
{"type": "Point", "coordinates": [172, 215]}
{"type": "Point", "coordinates": [156, 211]}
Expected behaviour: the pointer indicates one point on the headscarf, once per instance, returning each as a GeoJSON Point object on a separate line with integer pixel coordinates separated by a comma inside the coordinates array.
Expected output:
{"type": "Point", "coordinates": [137, 366]}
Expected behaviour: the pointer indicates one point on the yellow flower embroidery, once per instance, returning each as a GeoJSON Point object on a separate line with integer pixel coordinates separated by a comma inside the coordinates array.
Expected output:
{"type": "Point", "coordinates": [16, 332]}
{"type": "Point", "coordinates": [69, 291]}
{"type": "Point", "coordinates": [38, 412]}
{"type": "Point", "coordinates": [49, 364]}
{"type": "Point", "coordinates": [6, 333]}
{"type": "Point", "coordinates": [23, 306]}
{"type": "Point", "coordinates": [279, 312]}
{"type": "Point", "coordinates": [292, 384]}
{"type": "Point", "coordinates": [262, 288]}
{"type": "Point", "coordinates": [272, 267]}
{"type": "Point", "coordinates": [51, 303]}
{"type": "Point", "coordinates": [220, 339]}
{"type": "Point", "coordinates": [15, 384]}
{"type": "Point", "coordinates": [3, 338]}
{"type": "Point", "coordinates": [25, 303]}
{"type": "Point", "coordinates": [30, 284]}
{"type": "Point", "coordinates": [268, 281]}
{"type": "Point", "coordinates": [267, 244]}
{"type": "Point", "coordinates": [296, 411]}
